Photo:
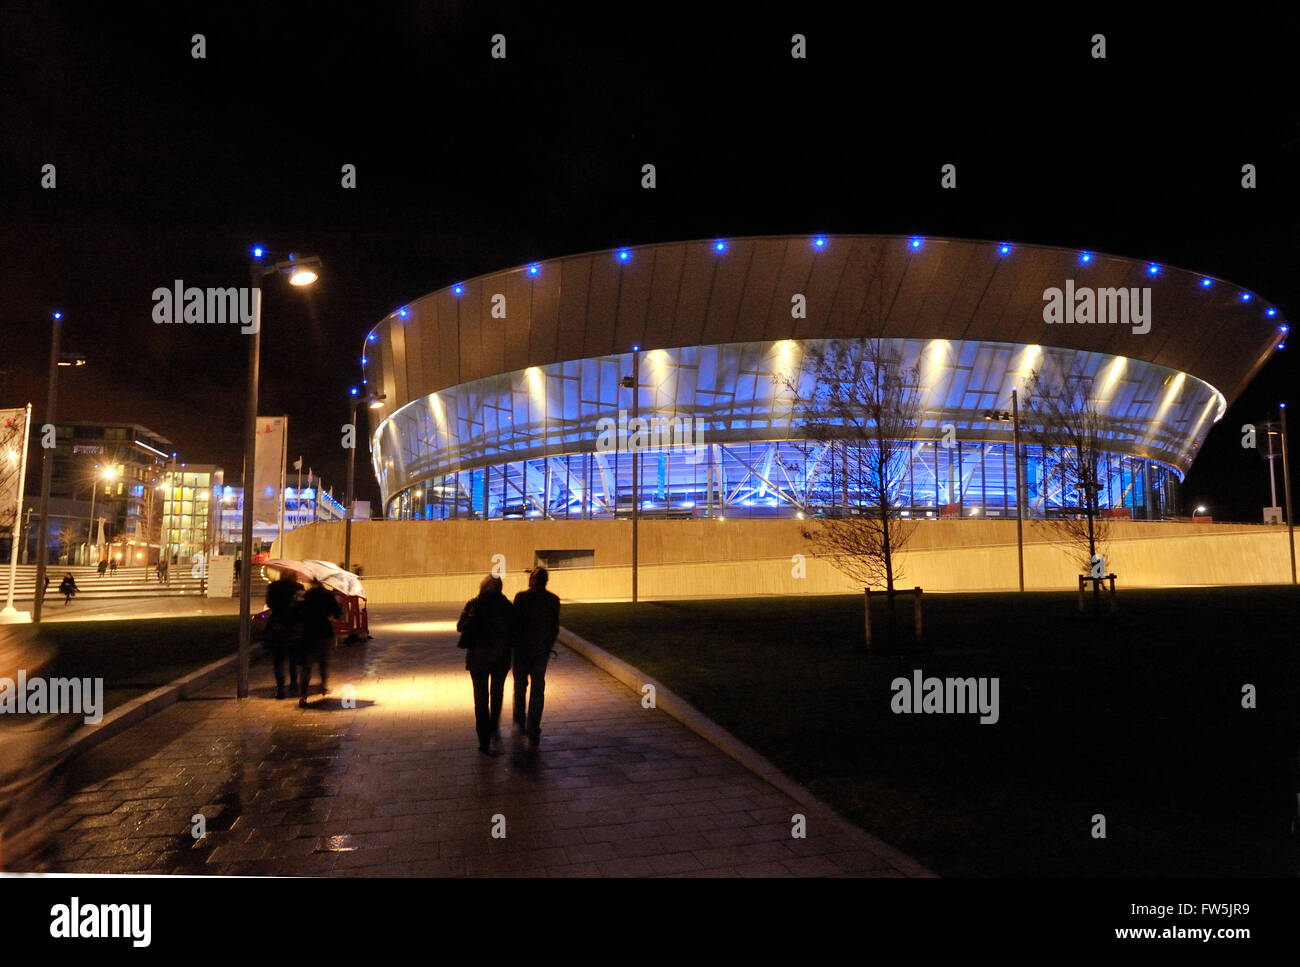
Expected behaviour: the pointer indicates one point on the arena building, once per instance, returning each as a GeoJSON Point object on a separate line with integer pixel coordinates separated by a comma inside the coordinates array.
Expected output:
{"type": "Point", "coordinates": [523, 393]}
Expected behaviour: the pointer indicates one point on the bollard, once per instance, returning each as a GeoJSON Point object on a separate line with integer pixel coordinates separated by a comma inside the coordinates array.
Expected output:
{"type": "Point", "coordinates": [917, 608]}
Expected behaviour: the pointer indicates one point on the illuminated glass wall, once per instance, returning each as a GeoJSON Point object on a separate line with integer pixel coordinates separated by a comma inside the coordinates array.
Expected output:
{"type": "Point", "coordinates": [724, 437]}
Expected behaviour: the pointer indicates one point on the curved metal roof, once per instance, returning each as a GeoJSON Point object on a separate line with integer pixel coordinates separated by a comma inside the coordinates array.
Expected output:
{"type": "Point", "coordinates": [678, 294]}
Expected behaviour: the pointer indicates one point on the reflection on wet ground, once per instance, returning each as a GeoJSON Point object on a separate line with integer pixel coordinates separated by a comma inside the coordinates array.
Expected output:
{"type": "Point", "coordinates": [387, 780]}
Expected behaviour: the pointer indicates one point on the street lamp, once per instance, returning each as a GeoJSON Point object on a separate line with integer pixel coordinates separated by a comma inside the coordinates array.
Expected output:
{"type": "Point", "coordinates": [375, 401]}
{"type": "Point", "coordinates": [1014, 418]}
{"type": "Point", "coordinates": [47, 461]}
{"type": "Point", "coordinates": [299, 272]}
{"type": "Point", "coordinates": [633, 383]}
{"type": "Point", "coordinates": [110, 473]}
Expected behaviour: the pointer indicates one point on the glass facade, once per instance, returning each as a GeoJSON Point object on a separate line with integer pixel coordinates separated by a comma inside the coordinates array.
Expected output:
{"type": "Point", "coordinates": [718, 431]}
{"type": "Point", "coordinates": [190, 511]}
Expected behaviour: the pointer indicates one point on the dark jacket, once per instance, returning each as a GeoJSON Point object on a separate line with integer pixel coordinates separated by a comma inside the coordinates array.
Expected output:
{"type": "Point", "coordinates": [537, 622]}
{"type": "Point", "coordinates": [314, 612]}
{"type": "Point", "coordinates": [280, 598]}
{"type": "Point", "coordinates": [485, 626]}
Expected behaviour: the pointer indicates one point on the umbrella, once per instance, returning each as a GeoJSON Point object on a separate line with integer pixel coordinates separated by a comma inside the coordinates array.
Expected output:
{"type": "Point", "coordinates": [330, 575]}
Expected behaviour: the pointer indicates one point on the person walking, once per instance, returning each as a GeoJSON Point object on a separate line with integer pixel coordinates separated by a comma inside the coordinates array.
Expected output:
{"type": "Point", "coordinates": [102, 567]}
{"type": "Point", "coordinates": [282, 597]}
{"type": "Point", "coordinates": [316, 637]}
{"type": "Point", "coordinates": [536, 626]}
{"type": "Point", "coordinates": [485, 629]}
{"type": "Point", "coordinates": [112, 566]}
{"type": "Point", "coordinates": [68, 588]}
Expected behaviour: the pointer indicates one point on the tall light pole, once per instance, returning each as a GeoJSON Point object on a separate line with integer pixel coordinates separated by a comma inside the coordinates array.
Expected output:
{"type": "Point", "coordinates": [374, 401]}
{"type": "Point", "coordinates": [1014, 418]}
{"type": "Point", "coordinates": [633, 382]}
{"type": "Point", "coordinates": [1286, 488]}
{"type": "Point", "coordinates": [47, 462]}
{"type": "Point", "coordinates": [1020, 517]}
{"type": "Point", "coordinates": [300, 273]}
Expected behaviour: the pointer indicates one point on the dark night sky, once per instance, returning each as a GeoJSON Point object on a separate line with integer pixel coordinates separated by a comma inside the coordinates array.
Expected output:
{"type": "Point", "coordinates": [170, 167]}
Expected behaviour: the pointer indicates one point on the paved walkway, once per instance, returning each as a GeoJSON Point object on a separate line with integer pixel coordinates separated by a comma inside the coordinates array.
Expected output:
{"type": "Point", "coordinates": [396, 786]}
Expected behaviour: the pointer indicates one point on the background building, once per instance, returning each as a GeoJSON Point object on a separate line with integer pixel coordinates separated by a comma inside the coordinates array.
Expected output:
{"type": "Point", "coordinates": [190, 509]}
{"type": "Point", "coordinates": [121, 465]}
{"type": "Point", "coordinates": [307, 505]}
{"type": "Point", "coordinates": [495, 391]}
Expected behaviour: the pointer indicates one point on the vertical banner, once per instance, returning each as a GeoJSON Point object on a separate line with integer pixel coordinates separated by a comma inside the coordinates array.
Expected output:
{"type": "Point", "coordinates": [268, 471]}
{"type": "Point", "coordinates": [15, 425]}
{"type": "Point", "coordinates": [13, 433]}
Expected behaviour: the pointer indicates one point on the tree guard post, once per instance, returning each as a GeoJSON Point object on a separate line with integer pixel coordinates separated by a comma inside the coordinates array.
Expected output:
{"type": "Point", "coordinates": [866, 619]}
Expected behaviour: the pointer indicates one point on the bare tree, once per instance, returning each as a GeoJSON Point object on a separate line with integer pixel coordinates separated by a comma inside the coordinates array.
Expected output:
{"type": "Point", "coordinates": [68, 537]}
{"type": "Point", "coordinates": [1061, 415]}
{"type": "Point", "coordinates": [864, 405]}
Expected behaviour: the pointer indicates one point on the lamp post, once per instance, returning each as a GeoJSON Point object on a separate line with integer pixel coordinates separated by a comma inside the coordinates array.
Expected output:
{"type": "Point", "coordinates": [633, 383]}
{"type": "Point", "coordinates": [300, 272]}
{"type": "Point", "coordinates": [374, 401]}
{"type": "Point", "coordinates": [47, 462]}
{"type": "Point", "coordinates": [1286, 490]}
{"type": "Point", "coordinates": [1014, 418]}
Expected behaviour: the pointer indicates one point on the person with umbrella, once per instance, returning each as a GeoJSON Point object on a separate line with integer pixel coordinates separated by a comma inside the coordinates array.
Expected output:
{"type": "Point", "coordinates": [316, 612]}
{"type": "Point", "coordinates": [281, 597]}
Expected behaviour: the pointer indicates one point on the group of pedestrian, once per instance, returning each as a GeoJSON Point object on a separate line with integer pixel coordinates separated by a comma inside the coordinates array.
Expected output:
{"type": "Point", "coordinates": [300, 633]}
{"type": "Point", "coordinates": [499, 637]}
{"type": "Point", "coordinates": [108, 564]}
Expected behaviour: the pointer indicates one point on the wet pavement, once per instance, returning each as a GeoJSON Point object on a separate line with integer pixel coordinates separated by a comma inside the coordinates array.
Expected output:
{"type": "Point", "coordinates": [396, 785]}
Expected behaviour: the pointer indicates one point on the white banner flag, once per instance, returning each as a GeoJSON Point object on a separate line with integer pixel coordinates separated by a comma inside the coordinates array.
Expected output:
{"type": "Point", "coordinates": [268, 469]}
{"type": "Point", "coordinates": [13, 426]}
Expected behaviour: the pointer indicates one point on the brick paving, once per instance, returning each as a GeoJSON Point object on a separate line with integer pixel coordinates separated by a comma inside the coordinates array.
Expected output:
{"type": "Point", "coordinates": [396, 786]}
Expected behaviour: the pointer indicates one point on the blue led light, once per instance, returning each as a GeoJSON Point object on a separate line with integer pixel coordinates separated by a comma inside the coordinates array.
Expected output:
{"type": "Point", "coordinates": [1206, 283]}
{"type": "Point", "coordinates": [355, 391]}
{"type": "Point", "coordinates": [1085, 257]}
{"type": "Point", "coordinates": [719, 246]}
{"type": "Point", "coordinates": [258, 251]}
{"type": "Point", "coordinates": [364, 382]}
{"type": "Point", "coordinates": [371, 338]}
{"type": "Point", "coordinates": [1004, 249]}
{"type": "Point", "coordinates": [364, 360]}
{"type": "Point", "coordinates": [1270, 312]}
{"type": "Point", "coordinates": [624, 254]}
{"type": "Point", "coordinates": [1153, 269]}
{"type": "Point", "coordinates": [403, 312]}
{"type": "Point", "coordinates": [58, 315]}
{"type": "Point", "coordinates": [458, 288]}
{"type": "Point", "coordinates": [915, 243]}
{"type": "Point", "coordinates": [1245, 297]}
{"type": "Point", "coordinates": [819, 241]}
{"type": "Point", "coordinates": [1281, 345]}
{"type": "Point", "coordinates": [534, 269]}
{"type": "Point", "coordinates": [1284, 329]}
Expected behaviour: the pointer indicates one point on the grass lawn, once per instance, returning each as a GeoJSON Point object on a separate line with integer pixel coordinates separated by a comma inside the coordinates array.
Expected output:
{"type": "Point", "coordinates": [1137, 717]}
{"type": "Point", "coordinates": [134, 657]}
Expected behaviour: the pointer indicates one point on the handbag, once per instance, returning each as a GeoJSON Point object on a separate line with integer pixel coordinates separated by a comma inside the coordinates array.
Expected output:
{"type": "Point", "coordinates": [468, 624]}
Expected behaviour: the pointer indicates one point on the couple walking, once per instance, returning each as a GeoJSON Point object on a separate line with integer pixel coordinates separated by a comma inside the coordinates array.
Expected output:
{"type": "Point", "coordinates": [300, 629]}
{"type": "Point", "coordinates": [497, 634]}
